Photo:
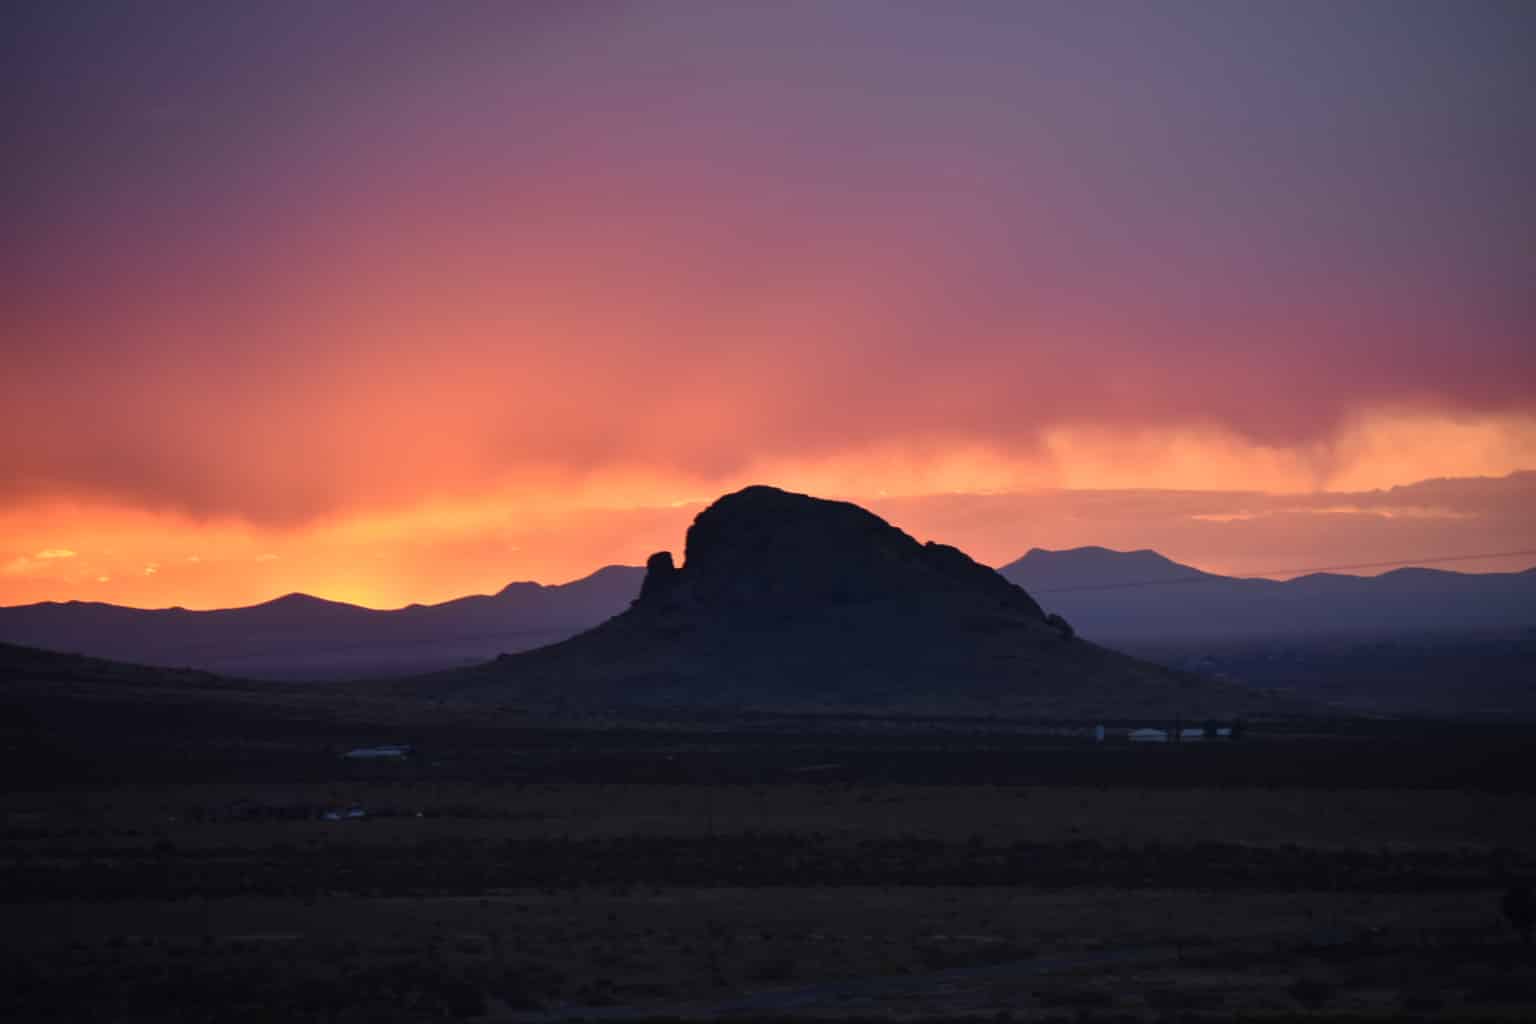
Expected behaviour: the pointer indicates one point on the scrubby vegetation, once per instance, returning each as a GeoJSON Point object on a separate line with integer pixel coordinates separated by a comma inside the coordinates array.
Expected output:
{"type": "Point", "coordinates": [221, 861]}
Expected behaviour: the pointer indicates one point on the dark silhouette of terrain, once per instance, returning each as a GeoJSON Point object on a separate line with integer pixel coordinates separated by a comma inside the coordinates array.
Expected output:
{"type": "Point", "coordinates": [788, 601]}
{"type": "Point", "coordinates": [1125, 596]}
{"type": "Point", "coordinates": [1410, 641]}
{"type": "Point", "coordinates": [303, 637]}
{"type": "Point", "coordinates": [1520, 911]}
{"type": "Point", "coordinates": [32, 666]}
{"type": "Point", "coordinates": [1414, 640]}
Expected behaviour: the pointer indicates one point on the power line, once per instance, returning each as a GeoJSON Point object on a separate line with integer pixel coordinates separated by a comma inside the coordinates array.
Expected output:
{"type": "Point", "coordinates": [1211, 577]}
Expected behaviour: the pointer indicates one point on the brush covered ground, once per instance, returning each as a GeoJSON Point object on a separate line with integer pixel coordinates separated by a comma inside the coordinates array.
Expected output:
{"type": "Point", "coordinates": [176, 847]}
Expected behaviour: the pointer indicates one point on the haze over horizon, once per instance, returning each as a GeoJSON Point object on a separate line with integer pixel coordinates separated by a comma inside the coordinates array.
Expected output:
{"type": "Point", "coordinates": [1240, 534]}
{"type": "Point", "coordinates": [401, 304]}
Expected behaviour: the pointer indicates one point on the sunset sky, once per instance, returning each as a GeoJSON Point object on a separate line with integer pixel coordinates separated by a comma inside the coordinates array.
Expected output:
{"type": "Point", "coordinates": [394, 302]}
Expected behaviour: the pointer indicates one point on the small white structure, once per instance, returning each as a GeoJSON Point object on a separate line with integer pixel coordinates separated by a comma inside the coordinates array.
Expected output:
{"type": "Point", "coordinates": [1149, 736]}
{"type": "Point", "coordinates": [389, 750]}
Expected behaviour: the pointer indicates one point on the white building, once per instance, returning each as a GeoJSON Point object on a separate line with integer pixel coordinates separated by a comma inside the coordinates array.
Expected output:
{"type": "Point", "coordinates": [394, 750]}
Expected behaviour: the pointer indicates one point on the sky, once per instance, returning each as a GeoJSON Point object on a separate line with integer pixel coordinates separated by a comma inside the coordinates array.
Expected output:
{"type": "Point", "coordinates": [393, 302]}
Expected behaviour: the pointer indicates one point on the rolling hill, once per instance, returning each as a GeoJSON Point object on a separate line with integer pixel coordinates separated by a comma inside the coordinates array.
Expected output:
{"type": "Point", "coordinates": [303, 637]}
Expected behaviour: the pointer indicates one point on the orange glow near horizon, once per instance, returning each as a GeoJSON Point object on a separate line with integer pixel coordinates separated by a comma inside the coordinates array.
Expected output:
{"type": "Point", "coordinates": [438, 549]}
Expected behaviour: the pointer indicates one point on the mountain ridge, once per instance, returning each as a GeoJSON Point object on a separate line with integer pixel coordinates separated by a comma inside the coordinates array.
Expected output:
{"type": "Point", "coordinates": [1126, 599]}
{"type": "Point", "coordinates": [302, 636]}
{"type": "Point", "coordinates": [1093, 565]}
{"type": "Point", "coordinates": [1098, 589]}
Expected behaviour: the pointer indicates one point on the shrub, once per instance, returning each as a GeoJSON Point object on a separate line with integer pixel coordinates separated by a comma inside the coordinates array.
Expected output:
{"type": "Point", "coordinates": [1060, 625]}
{"type": "Point", "coordinates": [1313, 993]}
{"type": "Point", "coordinates": [1074, 998]}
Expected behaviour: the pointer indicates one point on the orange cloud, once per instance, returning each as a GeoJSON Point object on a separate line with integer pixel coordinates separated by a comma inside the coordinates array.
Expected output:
{"type": "Point", "coordinates": [444, 547]}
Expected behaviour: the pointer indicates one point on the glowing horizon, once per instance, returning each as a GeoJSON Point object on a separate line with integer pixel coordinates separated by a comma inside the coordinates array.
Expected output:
{"type": "Point", "coordinates": [150, 559]}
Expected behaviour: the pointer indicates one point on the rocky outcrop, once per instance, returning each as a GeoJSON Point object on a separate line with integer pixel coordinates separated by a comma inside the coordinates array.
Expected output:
{"type": "Point", "coordinates": [788, 601]}
{"type": "Point", "coordinates": [763, 550]}
{"type": "Point", "coordinates": [660, 583]}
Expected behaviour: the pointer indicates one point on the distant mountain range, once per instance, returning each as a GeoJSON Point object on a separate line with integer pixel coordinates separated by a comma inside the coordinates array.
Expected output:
{"type": "Point", "coordinates": [303, 637]}
{"type": "Point", "coordinates": [1409, 641]}
{"type": "Point", "coordinates": [1137, 601]}
{"type": "Point", "coordinates": [1120, 597]}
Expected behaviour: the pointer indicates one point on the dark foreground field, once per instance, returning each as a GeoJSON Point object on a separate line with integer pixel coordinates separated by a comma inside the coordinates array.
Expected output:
{"type": "Point", "coordinates": [213, 857]}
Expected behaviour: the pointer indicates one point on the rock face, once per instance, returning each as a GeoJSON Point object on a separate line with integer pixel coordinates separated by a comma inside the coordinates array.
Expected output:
{"type": "Point", "coordinates": [766, 551]}
{"type": "Point", "coordinates": [660, 579]}
{"type": "Point", "coordinates": [794, 603]}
